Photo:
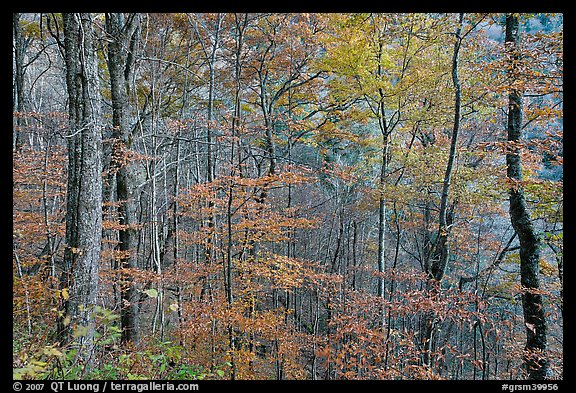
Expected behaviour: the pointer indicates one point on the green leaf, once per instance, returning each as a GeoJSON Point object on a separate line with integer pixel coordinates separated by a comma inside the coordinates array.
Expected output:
{"type": "Point", "coordinates": [151, 292]}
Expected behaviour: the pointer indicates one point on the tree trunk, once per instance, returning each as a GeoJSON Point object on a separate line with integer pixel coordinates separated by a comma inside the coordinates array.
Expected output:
{"type": "Point", "coordinates": [120, 32]}
{"type": "Point", "coordinates": [441, 250]}
{"type": "Point", "coordinates": [20, 45]}
{"type": "Point", "coordinates": [439, 264]}
{"type": "Point", "coordinates": [84, 196]}
{"type": "Point", "coordinates": [382, 220]}
{"type": "Point", "coordinates": [210, 110]}
{"type": "Point", "coordinates": [384, 129]}
{"type": "Point", "coordinates": [534, 316]}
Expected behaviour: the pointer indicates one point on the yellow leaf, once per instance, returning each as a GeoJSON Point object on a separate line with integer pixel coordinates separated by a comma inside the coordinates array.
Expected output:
{"type": "Point", "coordinates": [51, 351]}
{"type": "Point", "coordinates": [80, 331]}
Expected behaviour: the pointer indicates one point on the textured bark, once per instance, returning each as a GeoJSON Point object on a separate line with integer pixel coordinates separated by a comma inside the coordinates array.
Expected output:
{"type": "Point", "coordinates": [382, 217]}
{"type": "Point", "coordinates": [120, 31]}
{"type": "Point", "coordinates": [210, 57]}
{"type": "Point", "coordinates": [441, 249]}
{"type": "Point", "coordinates": [210, 53]}
{"type": "Point", "coordinates": [385, 131]}
{"type": "Point", "coordinates": [210, 110]}
{"type": "Point", "coordinates": [18, 103]}
{"type": "Point", "coordinates": [439, 264]}
{"type": "Point", "coordinates": [84, 196]}
{"type": "Point", "coordinates": [534, 317]}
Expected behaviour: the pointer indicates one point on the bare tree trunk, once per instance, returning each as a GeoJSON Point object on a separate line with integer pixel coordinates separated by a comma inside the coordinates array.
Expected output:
{"type": "Point", "coordinates": [210, 56]}
{"type": "Point", "coordinates": [441, 250]}
{"type": "Point", "coordinates": [438, 267]}
{"type": "Point", "coordinates": [384, 129]}
{"type": "Point", "coordinates": [120, 32]}
{"type": "Point", "coordinates": [20, 45]}
{"type": "Point", "coordinates": [382, 220]}
{"type": "Point", "coordinates": [84, 196]}
{"type": "Point", "coordinates": [534, 315]}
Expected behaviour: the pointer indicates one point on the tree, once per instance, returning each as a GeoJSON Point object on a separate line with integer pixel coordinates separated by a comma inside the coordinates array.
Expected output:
{"type": "Point", "coordinates": [20, 44]}
{"type": "Point", "coordinates": [441, 248]}
{"type": "Point", "coordinates": [534, 313]}
{"type": "Point", "coordinates": [79, 272]}
{"type": "Point", "coordinates": [122, 33]}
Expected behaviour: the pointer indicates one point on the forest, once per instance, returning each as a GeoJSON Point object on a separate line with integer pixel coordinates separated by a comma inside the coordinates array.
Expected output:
{"type": "Point", "coordinates": [287, 196]}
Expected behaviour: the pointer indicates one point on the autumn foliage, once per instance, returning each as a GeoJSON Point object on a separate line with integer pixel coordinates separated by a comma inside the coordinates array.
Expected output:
{"type": "Point", "coordinates": [266, 153]}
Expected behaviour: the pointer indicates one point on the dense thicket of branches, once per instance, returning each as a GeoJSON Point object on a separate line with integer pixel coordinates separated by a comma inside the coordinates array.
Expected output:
{"type": "Point", "coordinates": [288, 196]}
